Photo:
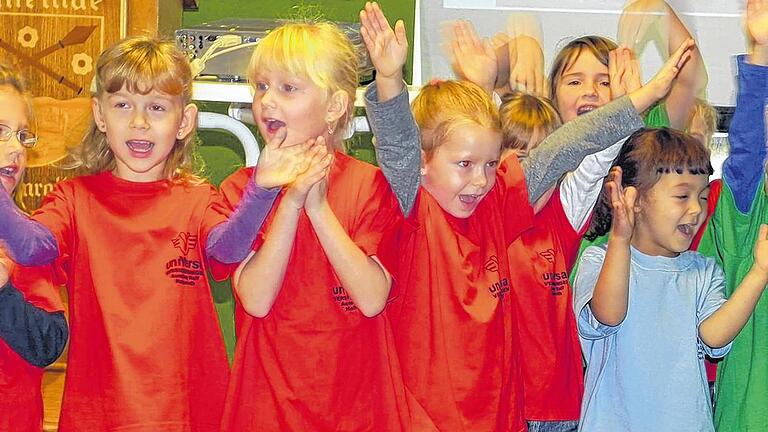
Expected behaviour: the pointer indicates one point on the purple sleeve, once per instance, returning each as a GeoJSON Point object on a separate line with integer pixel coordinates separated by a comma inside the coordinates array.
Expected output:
{"type": "Point", "coordinates": [26, 241]}
{"type": "Point", "coordinates": [744, 167]}
{"type": "Point", "coordinates": [231, 241]}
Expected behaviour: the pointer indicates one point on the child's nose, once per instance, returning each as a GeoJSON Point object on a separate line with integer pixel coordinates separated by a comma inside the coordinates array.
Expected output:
{"type": "Point", "coordinates": [695, 208]}
{"type": "Point", "coordinates": [268, 97]}
{"type": "Point", "coordinates": [591, 89]}
{"type": "Point", "coordinates": [139, 120]}
{"type": "Point", "coordinates": [481, 178]}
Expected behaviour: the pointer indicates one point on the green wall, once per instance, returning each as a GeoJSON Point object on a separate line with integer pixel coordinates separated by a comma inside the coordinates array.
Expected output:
{"type": "Point", "coordinates": [337, 10]}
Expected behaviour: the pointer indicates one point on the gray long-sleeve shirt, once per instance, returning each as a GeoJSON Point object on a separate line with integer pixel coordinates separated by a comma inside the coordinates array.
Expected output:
{"type": "Point", "coordinates": [398, 144]}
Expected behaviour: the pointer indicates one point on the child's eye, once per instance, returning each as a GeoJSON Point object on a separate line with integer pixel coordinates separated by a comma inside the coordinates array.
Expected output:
{"type": "Point", "coordinates": [121, 105]}
{"type": "Point", "coordinates": [493, 164]}
{"type": "Point", "coordinates": [156, 107]}
{"type": "Point", "coordinates": [605, 83]}
{"type": "Point", "coordinates": [260, 86]}
{"type": "Point", "coordinates": [682, 197]}
{"type": "Point", "coordinates": [464, 163]}
{"type": "Point", "coordinates": [573, 82]}
{"type": "Point", "coordinates": [289, 88]}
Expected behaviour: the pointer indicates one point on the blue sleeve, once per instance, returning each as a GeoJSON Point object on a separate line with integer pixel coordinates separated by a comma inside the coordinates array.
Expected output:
{"type": "Point", "coordinates": [588, 326]}
{"type": "Point", "coordinates": [37, 336]}
{"type": "Point", "coordinates": [710, 296]}
{"type": "Point", "coordinates": [744, 167]}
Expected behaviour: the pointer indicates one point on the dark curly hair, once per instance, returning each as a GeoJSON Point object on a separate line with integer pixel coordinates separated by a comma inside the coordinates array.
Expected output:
{"type": "Point", "coordinates": [644, 158]}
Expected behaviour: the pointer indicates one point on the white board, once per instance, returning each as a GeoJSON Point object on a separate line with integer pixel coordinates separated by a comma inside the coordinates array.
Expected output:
{"type": "Point", "coordinates": [716, 24]}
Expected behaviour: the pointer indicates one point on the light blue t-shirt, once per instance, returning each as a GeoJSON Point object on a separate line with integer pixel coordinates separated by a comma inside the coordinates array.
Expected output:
{"type": "Point", "coordinates": [647, 373]}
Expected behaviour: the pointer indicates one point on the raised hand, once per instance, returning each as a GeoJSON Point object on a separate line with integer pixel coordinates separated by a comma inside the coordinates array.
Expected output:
{"type": "Point", "coordinates": [624, 72]}
{"type": "Point", "coordinates": [526, 57]}
{"type": "Point", "coordinates": [279, 165]}
{"type": "Point", "coordinates": [472, 58]}
{"type": "Point", "coordinates": [320, 161]}
{"type": "Point", "coordinates": [662, 81]}
{"type": "Point", "coordinates": [388, 48]}
{"type": "Point", "coordinates": [661, 84]}
{"type": "Point", "coordinates": [757, 21]}
{"type": "Point", "coordinates": [527, 74]}
{"type": "Point", "coordinates": [642, 19]}
{"type": "Point", "coordinates": [622, 206]}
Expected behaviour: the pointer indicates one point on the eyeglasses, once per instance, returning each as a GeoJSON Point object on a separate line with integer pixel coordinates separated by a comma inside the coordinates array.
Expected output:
{"type": "Point", "coordinates": [27, 138]}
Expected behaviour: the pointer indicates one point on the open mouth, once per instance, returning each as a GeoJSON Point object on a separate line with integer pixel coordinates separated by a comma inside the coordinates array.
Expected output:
{"type": "Point", "coordinates": [9, 171]}
{"type": "Point", "coordinates": [585, 109]}
{"type": "Point", "coordinates": [273, 125]}
{"type": "Point", "coordinates": [140, 146]}
{"type": "Point", "coordinates": [686, 229]}
{"type": "Point", "coordinates": [469, 199]}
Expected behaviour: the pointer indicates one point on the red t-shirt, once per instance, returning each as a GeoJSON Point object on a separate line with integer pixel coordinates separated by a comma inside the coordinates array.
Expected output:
{"type": "Point", "coordinates": [145, 351]}
{"type": "Point", "coordinates": [314, 362]}
{"type": "Point", "coordinates": [451, 317]}
{"type": "Point", "coordinates": [540, 261]}
{"type": "Point", "coordinates": [21, 400]}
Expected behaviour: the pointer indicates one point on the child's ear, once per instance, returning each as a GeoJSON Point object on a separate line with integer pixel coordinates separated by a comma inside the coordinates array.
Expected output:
{"type": "Point", "coordinates": [188, 121]}
{"type": "Point", "coordinates": [337, 106]}
{"type": "Point", "coordinates": [423, 170]}
{"type": "Point", "coordinates": [98, 116]}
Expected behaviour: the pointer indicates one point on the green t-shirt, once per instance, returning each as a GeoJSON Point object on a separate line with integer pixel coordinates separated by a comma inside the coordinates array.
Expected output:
{"type": "Point", "coordinates": [656, 117]}
{"type": "Point", "coordinates": [742, 377]}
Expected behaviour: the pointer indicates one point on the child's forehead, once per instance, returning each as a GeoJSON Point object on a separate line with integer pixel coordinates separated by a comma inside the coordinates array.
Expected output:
{"type": "Point", "coordinates": [583, 60]}
{"type": "Point", "coordinates": [684, 180]}
{"type": "Point", "coordinates": [141, 92]}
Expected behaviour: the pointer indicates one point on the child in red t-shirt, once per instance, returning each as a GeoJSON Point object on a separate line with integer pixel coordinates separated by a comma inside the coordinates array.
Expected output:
{"type": "Point", "coordinates": [314, 352]}
{"type": "Point", "coordinates": [133, 240]}
{"type": "Point", "coordinates": [33, 330]}
{"type": "Point", "coordinates": [453, 325]}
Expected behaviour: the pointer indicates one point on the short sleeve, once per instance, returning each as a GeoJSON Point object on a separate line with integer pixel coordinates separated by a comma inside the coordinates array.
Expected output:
{"type": "Point", "coordinates": [216, 212]}
{"type": "Point", "coordinates": [39, 286]}
{"type": "Point", "coordinates": [231, 189]}
{"type": "Point", "coordinates": [584, 286]}
{"type": "Point", "coordinates": [56, 212]}
{"type": "Point", "coordinates": [708, 300]}
{"type": "Point", "coordinates": [517, 210]}
{"type": "Point", "coordinates": [378, 213]}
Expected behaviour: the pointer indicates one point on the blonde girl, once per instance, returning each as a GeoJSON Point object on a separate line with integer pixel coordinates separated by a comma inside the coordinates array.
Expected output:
{"type": "Point", "coordinates": [133, 242]}
{"type": "Point", "coordinates": [314, 351]}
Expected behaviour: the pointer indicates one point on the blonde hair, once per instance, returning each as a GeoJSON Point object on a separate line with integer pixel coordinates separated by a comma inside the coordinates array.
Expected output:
{"type": "Point", "coordinates": [524, 115]}
{"type": "Point", "coordinates": [441, 107]}
{"type": "Point", "coordinates": [316, 50]}
{"type": "Point", "coordinates": [598, 46]}
{"type": "Point", "coordinates": [708, 116]}
{"type": "Point", "coordinates": [142, 64]}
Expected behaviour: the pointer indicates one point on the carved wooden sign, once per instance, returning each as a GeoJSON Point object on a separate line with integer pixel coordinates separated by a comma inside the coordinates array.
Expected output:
{"type": "Point", "coordinates": [56, 42]}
